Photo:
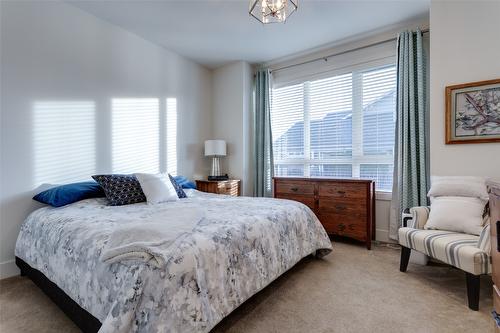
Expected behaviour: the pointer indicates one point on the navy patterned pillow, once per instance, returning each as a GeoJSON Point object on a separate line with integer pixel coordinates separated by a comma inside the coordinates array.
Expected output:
{"type": "Point", "coordinates": [178, 188]}
{"type": "Point", "coordinates": [121, 189]}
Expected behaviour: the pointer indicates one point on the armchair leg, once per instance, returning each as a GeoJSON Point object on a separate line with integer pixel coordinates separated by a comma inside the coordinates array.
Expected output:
{"type": "Point", "coordinates": [473, 283]}
{"type": "Point", "coordinates": [405, 257]}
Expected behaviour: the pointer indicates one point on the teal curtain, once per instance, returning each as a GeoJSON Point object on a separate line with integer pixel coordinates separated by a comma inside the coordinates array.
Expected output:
{"type": "Point", "coordinates": [411, 147]}
{"type": "Point", "coordinates": [263, 143]}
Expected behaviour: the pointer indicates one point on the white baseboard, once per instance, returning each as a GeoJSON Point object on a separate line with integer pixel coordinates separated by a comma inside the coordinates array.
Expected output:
{"type": "Point", "coordinates": [8, 269]}
{"type": "Point", "coordinates": [383, 236]}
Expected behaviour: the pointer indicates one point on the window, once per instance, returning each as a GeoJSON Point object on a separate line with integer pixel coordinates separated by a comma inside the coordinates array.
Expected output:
{"type": "Point", "coordinates": [340, 126]}
{"type": "Point", "coordinates": [287, 117]}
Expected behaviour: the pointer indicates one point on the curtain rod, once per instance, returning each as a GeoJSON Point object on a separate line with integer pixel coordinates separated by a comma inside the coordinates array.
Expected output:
{"type": "Point", "coordinates": [325, 58]}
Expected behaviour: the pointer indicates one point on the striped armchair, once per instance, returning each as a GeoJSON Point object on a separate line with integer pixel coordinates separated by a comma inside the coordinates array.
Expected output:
{"type": "Point", "coordinates": [469, 253]}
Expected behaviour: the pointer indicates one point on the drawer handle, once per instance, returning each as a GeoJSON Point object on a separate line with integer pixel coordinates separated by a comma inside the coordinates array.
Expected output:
{"type": "Point", "coordinates": [341, 192]}
{"type": "Point", "coordinates": [498, 235]}
{"type": "Point", "coordinates": [295, 189]}
{"type": "Point", "coordinates": [341, 227]}
{"type": "Point", "coordinates": [340, 207]}
{"type": "Point", "coordinates": [496, 317]}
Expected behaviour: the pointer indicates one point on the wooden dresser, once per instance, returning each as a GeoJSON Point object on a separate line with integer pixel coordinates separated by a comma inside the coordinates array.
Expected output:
{"type": "Point", "coordinates": [228, 187]}
{"type": "Point", "coordinates": [494, 191]}
{"type": "Point", "coordinates": [345, 207]}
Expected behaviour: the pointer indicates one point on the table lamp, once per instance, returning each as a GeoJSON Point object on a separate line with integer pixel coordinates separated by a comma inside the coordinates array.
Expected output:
{"type": "Point", "coordinates": [216, 149]}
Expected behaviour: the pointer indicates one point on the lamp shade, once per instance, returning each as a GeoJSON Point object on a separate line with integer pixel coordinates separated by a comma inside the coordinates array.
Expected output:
{"type": "Point", "coordinates": [215, 148]}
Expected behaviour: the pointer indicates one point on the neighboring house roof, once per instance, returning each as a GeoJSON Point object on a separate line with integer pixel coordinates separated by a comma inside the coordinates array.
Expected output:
{"type": "Point", "coordinates": [334, 127]}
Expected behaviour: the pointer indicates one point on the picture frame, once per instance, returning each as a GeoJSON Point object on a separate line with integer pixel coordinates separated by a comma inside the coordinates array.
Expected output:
{"type": "Point", "coordinates": [473, 112]}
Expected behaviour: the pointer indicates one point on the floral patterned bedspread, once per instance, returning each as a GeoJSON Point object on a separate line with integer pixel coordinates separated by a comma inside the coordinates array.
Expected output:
{"type": "Point", "coordinates": [240, 246]}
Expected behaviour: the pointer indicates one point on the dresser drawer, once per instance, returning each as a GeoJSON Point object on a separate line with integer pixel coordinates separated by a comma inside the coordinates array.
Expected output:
{"type": "Point", "coordinates": [496, 303]}
{"type": "Point", "coordinates": [228, 188]}
{"type": "Point", "coordinates": [342, 206]}
{"type": "Point", "coordinates": [495, 255]}
{"type": "Point", "coordinates": [294, 187]}
{"type": "Point", "coordinates": [496, 298]}
{"type": "Point", "coordinates": [344, 225]}
{"type": "Point", "coordinates": [228, 191]}
{"type": "Point", "coordinates": [306, 200]}
{"type": "Point", "coordinates": [343, 190]}
{"type": "Point", "coordinates": [494, 202]}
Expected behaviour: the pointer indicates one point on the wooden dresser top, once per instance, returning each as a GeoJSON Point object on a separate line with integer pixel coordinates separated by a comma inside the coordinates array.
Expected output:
{"type": "Point", "coordinates": [325, 179]}
{"type": "Point", "coordinates": [216, 181]}
{"type": "Point", "coordinates": [493, 186]}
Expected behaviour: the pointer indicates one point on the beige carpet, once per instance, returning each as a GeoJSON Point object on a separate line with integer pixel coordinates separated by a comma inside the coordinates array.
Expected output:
{"type": "Point", "coordinates": [351, 290]}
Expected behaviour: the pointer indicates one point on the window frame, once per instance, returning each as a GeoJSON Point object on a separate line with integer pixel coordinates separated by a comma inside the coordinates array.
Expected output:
{"type": "Point", "coordinates": [357, 157]}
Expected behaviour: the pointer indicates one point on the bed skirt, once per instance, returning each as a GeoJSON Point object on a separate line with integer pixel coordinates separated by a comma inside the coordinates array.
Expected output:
{"type": "Point", "coordinates": [82, 318]}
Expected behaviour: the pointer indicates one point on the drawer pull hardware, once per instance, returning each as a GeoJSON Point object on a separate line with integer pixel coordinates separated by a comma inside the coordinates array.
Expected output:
{"type": "Point", "coordinates": [341, 192]}
{"type": "Point", "coordinates": [498, 236]}
{"type": "Point", "coordinates": [496, 317]}
{"type": "Point", "coordinates": [340, 207]}
{"type": "Point", "coordinates": [341, 227]}
{"type": "Point", "coordinates": [295, 189]}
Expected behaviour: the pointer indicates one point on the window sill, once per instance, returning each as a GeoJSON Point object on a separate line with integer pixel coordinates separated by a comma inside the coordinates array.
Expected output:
{"type": "Point", "coordinates": [383, 195]}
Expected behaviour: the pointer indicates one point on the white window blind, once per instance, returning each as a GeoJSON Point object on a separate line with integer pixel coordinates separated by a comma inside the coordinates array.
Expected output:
{"type": "Point", "coordinates": [340, 126]}
{"type": "Point", "coordinates": [287, 117]}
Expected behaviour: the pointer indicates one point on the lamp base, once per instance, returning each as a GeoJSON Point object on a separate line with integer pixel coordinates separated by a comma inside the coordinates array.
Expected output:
{"type": "Point", "coordinates": [215, 167]}
{"type": "Point", "coordinates": [215, 173]}
{"type": "Point", "coordinates": [225, 177]}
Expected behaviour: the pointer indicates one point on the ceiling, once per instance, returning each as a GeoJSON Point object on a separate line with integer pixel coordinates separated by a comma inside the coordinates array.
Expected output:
{"type": "Point", "coordinates": [215, 32]}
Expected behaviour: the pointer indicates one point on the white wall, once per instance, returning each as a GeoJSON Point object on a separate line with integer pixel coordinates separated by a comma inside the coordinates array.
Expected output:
{"type": "Point", "coordinates": [52, 52]}
{"type": "Point", "coordinates": [464, 48]}
{"type": "Point", "coordinates": [232, 120]}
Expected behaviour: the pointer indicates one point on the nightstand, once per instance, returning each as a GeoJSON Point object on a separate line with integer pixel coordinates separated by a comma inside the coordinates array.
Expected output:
{"type": "Point", "coordinates": [228, 187]}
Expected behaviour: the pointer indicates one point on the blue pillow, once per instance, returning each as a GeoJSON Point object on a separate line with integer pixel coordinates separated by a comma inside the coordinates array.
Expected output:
{"type": "Point", "coordinates": [65, 194]}
{"type": "Point", "coordinates": [180, 192]}
{"type": "Point", "coordinates": [184, 182]}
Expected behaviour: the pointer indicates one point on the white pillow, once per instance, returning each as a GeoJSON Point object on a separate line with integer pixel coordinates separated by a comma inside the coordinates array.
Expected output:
{"type": "Point", "coordinates": [458, 214]}
{"type": "Point", "coordinates": [460, 186]}
{"type": "Point", "coordinates": [157, 188]}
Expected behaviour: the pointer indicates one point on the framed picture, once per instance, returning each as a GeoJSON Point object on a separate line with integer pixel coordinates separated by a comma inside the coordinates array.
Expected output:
{"type": "Point", "coordinates": [473, 112]}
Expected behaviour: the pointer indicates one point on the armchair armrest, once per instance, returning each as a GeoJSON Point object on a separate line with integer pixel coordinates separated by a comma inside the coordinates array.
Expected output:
{"type": "Point", "coordinates": [415, 217]}
{"type": "Point", "coordinates": [484, 241]}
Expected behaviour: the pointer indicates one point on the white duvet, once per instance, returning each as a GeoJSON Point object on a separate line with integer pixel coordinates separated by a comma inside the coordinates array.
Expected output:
{"type": "Point", "coordinates": [238, 247]}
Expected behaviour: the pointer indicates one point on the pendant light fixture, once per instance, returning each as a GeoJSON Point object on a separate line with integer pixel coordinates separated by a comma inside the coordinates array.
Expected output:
{"type": "Point", "coordinates": [272, 11]}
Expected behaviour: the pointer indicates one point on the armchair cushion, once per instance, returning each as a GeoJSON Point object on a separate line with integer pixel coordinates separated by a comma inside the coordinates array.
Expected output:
{"type": "Point", "coordinates": [458, 214]}
{"type": "Point", "coordinates": [457, 249]}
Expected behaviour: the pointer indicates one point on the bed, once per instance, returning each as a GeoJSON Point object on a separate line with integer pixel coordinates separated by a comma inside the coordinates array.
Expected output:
{"type": "Point", "coordinates": [239, 247]}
